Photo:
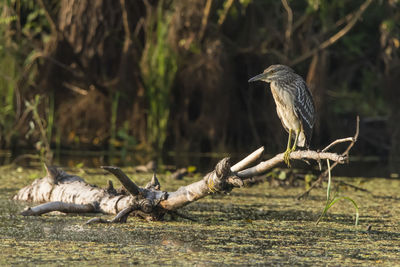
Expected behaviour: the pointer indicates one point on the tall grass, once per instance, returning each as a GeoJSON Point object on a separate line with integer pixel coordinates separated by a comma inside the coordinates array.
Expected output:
{"type": "Point", "coordinates": [158, 65]}
{"type": "Point", "coordinates": [17, 62]}
{"type": "Point", "coordinates": [8, 81]}
{"type": "Point", "coordinates": [43, 144]}
{"type": "Point", "coordinates": [330, 201]}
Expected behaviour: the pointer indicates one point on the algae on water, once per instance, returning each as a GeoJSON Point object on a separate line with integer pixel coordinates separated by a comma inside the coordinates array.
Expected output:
{"type": "Point", "coordinates": [257, 225]}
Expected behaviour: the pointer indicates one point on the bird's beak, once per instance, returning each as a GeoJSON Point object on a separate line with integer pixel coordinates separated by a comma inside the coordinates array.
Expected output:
{"type": "Point", "coordinates": [259, 77]}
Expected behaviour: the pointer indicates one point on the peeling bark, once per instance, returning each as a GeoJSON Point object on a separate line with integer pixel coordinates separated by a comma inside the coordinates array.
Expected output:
{"type": "Point", "coordinates": [58, 186]}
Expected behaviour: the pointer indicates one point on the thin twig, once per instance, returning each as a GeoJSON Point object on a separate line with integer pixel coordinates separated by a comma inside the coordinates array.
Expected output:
{"type": "Point", "coordinates": [333, 39]}
{"type": "Point", "coordinates": [53, 26]}
{"type": "Point", "coordinates": [338, 141]}
{"type": "Point", "coordinates": [345, 19]}
{"type": "Point", "coordinates": [122, 215]}
{"type": "Point", "coordinates": [345, 153]}
{"type": "Point", "coordinates": [289, 26]}
{"type": "Point", "coordinates": [204, 20]}
{"type": "Point", "coordinates": [227, 6]}
{"type": "Point", "coordinates": [75, 88]}
{"type": "Point", "coordinates": [127, 41]}
{"type": "Point", "coordinates": [300, 21]}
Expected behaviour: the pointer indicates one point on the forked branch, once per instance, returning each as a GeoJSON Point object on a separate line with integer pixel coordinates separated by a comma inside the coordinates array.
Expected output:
{"type": "Point", "coordinates": [352, 141]}
{"type": "Point", "coordinates": [334, 38]}
{"type": "Point", "coordinates": [264, 166]}
{"type": "Point", "coordinates": [67, 193]}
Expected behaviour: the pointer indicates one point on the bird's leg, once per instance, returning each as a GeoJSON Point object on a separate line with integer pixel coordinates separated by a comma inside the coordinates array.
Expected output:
{"type": "Point", "coordinates": [286, 156]}
{"type": "Point", "coordinates": [295, 140]}
{"type": "Point", "coordinates": [289, 149]}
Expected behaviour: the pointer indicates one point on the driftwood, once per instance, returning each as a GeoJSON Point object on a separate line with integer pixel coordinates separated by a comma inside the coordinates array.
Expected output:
{"type": "Point", "coordinates": [66, 193]}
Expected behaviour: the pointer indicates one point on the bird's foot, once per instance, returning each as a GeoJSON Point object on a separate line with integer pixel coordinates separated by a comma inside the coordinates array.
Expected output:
{"type": "Point", "coordinates": [286, 157]}
{"type": "Point", "coordinates": [210, 185]}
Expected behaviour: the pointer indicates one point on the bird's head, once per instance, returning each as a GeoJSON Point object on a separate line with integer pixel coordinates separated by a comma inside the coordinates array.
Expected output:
{"type": "Point", "coordinates": [274, 73]}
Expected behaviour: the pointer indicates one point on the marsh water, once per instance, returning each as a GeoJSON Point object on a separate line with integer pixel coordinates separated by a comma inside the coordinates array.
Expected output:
{"type": "Point", "coordinates": [262, 224]}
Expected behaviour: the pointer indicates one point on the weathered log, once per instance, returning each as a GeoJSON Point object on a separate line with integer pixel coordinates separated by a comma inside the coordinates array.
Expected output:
{"type": "Point", "coordinates": [68, 193]}
{"type": "Point", "coordinates": [58, 186]}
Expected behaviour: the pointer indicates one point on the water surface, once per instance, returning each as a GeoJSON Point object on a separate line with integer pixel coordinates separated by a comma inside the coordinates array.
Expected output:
{"type": "Point", "coordinates": [256, 225]}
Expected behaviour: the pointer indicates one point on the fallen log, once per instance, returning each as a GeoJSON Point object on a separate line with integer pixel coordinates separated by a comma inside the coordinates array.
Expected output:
{"type": "Point", "coordinates": [67, 193]}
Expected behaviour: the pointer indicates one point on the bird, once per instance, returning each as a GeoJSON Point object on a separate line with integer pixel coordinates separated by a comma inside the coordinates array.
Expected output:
{"type": "Point", "coordinates": [294, 105]}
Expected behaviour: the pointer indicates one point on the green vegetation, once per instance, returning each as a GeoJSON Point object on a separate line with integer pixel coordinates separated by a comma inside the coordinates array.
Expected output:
{"type": "Point", "coordinates": [330, 201]}
{"type": "Point", "coordinates": [8, 81]}
{"type": "Point", "coordinates": [158, 66]}
{"type": "Point", "coordinates": [17, 65]}
{"type": "Point", "coordinates": [43, 144]}
{"type": "Point", "coordinates": [257, 225]}
{"type": "Point", "coordinates": [170, 83]}
{"type": "Point", "coordinates": [171, 75]}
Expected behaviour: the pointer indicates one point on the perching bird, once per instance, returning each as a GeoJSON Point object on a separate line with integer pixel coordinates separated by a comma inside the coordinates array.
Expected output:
{"type": "Point", "coordinates": [294, 104]}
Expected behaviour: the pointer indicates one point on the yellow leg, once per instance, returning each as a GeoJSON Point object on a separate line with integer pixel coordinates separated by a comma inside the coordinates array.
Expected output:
{"type": "Point", "coordinates": [286, 156]}
{"type": "Point", "coordinates": [295, 140]}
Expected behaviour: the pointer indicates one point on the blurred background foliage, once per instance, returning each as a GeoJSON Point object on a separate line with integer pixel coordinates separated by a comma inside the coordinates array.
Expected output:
{"type": "Point", "coordinates": [172, 75]}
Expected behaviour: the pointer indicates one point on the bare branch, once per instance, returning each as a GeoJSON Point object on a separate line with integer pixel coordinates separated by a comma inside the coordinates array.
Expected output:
{"type": "Point", "coordinates": [53, 26]}
{"type": "Point", "coordinates": [204, 20]}
{"type": "Point", "coordinates": [73, 194]}
{"type": "Point", "coordinates": [338, 141]}
{"type": "Point", "coordinates": [58, 206]}
{"type": "Point", "coordinates": [227, 6]}
{"type": "Point", "coordinates": [125, 23]}
{"type": "Point", "coordinates": [212, 182]}
{"type": "Point", "coordinates": [123, 215]}
{"type": "Point", "coordinates": [75, 88]}
{"type": "Point", "coordinates": [300, 21]}
{"type": "Point", "coordinates": [345, 153]}
{"type": "Point", "coordinates": [289, 26]}
{"type": "Point", "coordinates": [264, 166]}
{"type": "Point", "coordinates": [130, 186]}
{"type": "Point", "coordinates": [333, 39]}
{"type": "Point", "coordinates": [248, 160]}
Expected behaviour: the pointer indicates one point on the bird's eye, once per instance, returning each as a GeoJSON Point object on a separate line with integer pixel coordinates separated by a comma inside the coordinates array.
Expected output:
{"type": "Point", "coordinates": [272, 71]}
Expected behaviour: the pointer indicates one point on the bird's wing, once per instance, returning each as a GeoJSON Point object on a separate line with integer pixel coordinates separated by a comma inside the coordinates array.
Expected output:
{"type": "Point", "coordinates": [304, 107]}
